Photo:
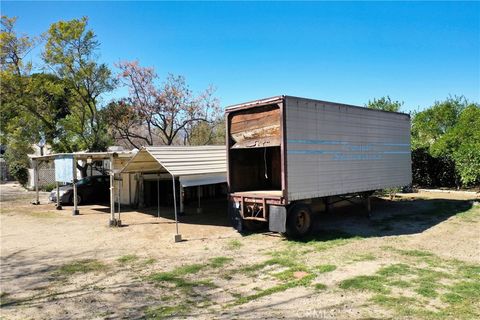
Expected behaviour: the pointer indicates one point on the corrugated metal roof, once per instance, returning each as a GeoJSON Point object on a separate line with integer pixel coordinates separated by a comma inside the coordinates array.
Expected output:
{"type": "Point", "coordinates": [179, 161]}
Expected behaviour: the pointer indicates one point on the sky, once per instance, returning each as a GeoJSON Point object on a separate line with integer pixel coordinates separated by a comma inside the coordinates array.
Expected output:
{"type": "Point", "coordinates": [349, 52]}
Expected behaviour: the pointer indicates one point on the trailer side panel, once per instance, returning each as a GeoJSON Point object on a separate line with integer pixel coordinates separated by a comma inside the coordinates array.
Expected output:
{"type": "Point", "coordinates": [335, 149]}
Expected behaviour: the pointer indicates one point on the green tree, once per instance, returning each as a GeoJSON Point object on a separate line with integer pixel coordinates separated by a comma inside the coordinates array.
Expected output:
{"type": "Point", "coordinates": [206, 133]}
{"type": "Point", "coordinates": [71, 51]}
{"type": "Point", "coordinates": [450, 130]}
{"type": "Point", "coordinates": [385, 104]}
{"type": "Point", "coordinates": [429, 125]}
{"type": "Point", "coordinates": [31, 104]}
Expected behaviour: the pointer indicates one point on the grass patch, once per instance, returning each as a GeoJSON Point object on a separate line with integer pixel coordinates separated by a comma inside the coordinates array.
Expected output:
{"type": "Point", "coordinates": [148, 261]}
{"type": "Point", "coordinates": [371, 283]}
{"type": "Point", "coordinates": [402, 305]}
{"type": "Point", "coordinates": [234, 244]}
{"type": "Point", "coordinates": [395, 269]}
{"type": "Point", "coordinates": [416, 253]}
{"type": "Point", "coordinates": [320, 286]}
{"type": "Point", "coordinates": [425, 291]}
{"type": "Point", "coordinates": [177, 277]}
{"type": "Point", "coordinates": [129, 258]}
{"type": "Point", "coordinates": [162, 312]}
{"type": "Point", "coordinates": [81, 266]}
{"type": "Point", "coordinates": [327, 239]}
{"type": "Point", "coordinates": [219, 262]}
{"type": "Point", "coordinates": [364, 257]}
{"type": "Point", "coordinates": [471, 215]}
{"type": "Point", "coordinates": [279, 259]}
{"type": "Point", "coordinates": [305, 281]}
{"type": "Point", "coordinates": [324, 268]}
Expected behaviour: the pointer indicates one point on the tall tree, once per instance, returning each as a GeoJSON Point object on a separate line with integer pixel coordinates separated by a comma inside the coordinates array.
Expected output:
{"type": "Point", "coordinates": [166, 111]}
{"type": "Point", "coordinates": [385, 104]}
{"type": "Point", "coordinates": [71, 52]}
{"type": "Point", "coordinates": [32, 105]}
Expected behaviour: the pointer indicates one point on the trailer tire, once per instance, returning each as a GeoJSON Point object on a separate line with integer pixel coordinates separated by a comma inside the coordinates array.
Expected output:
{"type": "Point", "coordinates": [299, 221]}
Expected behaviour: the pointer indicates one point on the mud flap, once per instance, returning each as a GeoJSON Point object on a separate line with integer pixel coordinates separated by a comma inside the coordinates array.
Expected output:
{"type": "Point", "coordinates": [277, 218]}
{"type": "Point", "coordinates": [234, 215]}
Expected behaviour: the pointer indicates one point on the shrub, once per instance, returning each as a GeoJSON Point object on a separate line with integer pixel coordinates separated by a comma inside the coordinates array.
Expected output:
{"type": "Point", "coordinates": [19, 171]}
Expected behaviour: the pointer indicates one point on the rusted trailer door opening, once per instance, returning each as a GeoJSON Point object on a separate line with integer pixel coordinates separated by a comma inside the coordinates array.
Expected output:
{"type": "Point", "coordinates": [255, 169]}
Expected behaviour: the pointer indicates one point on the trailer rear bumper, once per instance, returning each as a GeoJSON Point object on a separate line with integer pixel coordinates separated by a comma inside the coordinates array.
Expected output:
{"type": "Point", "coordinates": [258, 207]}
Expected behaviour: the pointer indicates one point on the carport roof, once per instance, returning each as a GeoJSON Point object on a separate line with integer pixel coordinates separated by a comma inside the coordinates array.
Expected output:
{"type": "Point", "coordinates": [179, 161]}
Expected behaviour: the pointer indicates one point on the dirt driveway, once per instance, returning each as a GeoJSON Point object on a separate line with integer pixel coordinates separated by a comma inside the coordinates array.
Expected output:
{"type": "Point", "coordinates": [417, 257]}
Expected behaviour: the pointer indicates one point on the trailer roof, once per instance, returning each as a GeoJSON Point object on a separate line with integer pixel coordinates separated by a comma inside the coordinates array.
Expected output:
{"type": "Point", "coordinates": [179, 161]}
{"type": "Point", "coordinates": [278, 99]}
{"type": "Point", "coordinates": [86, 155]}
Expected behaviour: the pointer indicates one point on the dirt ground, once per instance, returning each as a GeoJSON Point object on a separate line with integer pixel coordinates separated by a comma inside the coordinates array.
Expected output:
{"type": "Point", "coordinates": [415, 257]}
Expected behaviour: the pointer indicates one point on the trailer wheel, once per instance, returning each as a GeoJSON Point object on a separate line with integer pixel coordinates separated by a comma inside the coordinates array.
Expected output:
{"type": "Point", "coordinates": [299, 221]}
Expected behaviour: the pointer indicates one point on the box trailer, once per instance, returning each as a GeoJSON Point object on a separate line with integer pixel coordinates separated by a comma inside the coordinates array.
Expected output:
{"type": "Point", "coordinates": [287, 156]}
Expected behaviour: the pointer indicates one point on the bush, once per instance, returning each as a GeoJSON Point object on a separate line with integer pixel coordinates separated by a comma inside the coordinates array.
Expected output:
{"type": "Point", "coordinates": [48, 187]}
{"type": "Point", "coordinates": [430, 171]}
{"type": "Point", "coordinates": [19, 171]}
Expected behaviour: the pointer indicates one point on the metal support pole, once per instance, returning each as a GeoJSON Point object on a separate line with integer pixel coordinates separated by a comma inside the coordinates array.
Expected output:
{"type": "Point", "coordinates": [181, 200]}
{"type": "Point", "coordinates": [177, 237]}
{"type": "Point", "coordinates": [199, 195]}
{"type": "Point", "coordinates": [59, 206]}
{"type": "Point", "coordinates": [158, 196]}
{"type": "Point", "coordinates": [35, 181]}
{"type": "Point", "coordinates": [75, 194]}
{"type": "Point", "coordinates": [369, 207]}
{"type": "Point", "coordinates": [119, 221]}
{"type": "Point", "coordinates": [113, 222]}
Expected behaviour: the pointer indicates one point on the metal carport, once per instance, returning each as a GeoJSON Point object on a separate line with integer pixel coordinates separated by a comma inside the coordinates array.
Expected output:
{"type": "Point", "coordinates": [192, 165]}
{"type": "Point", "coordinates": [115, 159]}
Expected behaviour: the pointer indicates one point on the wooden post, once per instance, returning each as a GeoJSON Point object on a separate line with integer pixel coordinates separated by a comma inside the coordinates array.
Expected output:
{"type": "Point", "coordinates": [59, 206]}
{"type": "Point", "coordinates": [158, 195]}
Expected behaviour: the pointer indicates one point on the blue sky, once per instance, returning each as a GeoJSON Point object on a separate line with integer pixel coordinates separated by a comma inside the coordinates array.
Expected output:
{"type": "Point", "coordinates": [337, 51]}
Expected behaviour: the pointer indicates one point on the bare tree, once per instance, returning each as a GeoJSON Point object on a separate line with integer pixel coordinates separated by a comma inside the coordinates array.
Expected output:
{"type": "Point", "coordinates": [166, 111]}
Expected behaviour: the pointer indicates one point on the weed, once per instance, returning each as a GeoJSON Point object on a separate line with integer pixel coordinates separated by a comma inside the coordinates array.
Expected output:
{"type": "Point", "coordinates": [81, 266]}
{"type": "Point", "coordinates": [219, 262]}
{"type": "Point", "coordinates": [162, 312]}
{"type": "Point", "coordinates": [234, 244]}
{"type": "Point", "coordinates": [148, 261]}
{"type": "Point", "coordinates": [325, 268]}
{"type": "Point", "coordinates": [127, 258]}
{"type": "Point", "coordinates": [320, 286]}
